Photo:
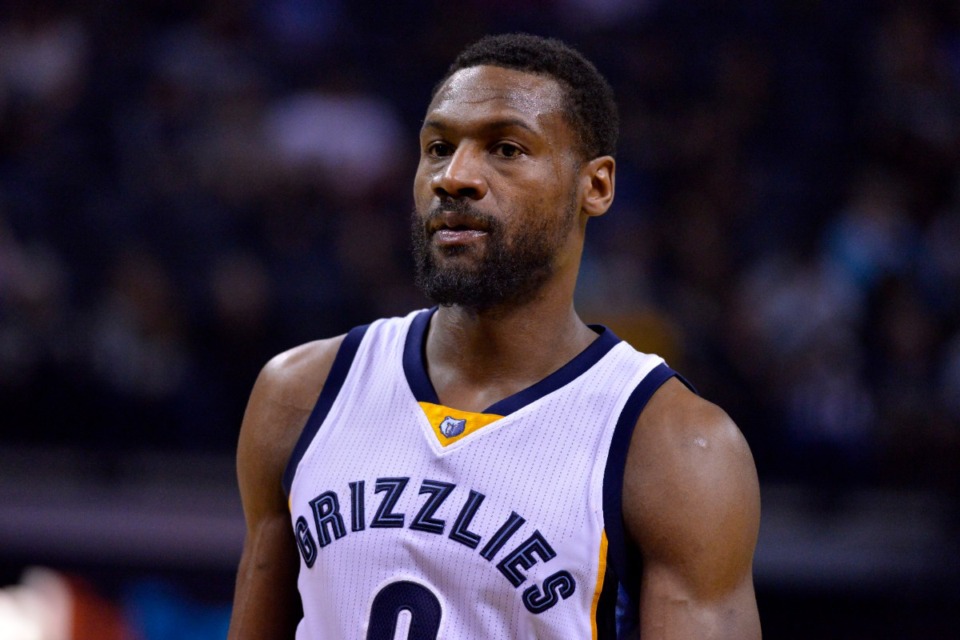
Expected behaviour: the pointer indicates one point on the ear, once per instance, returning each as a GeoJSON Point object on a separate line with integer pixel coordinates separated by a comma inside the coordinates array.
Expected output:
{"type": "Point", "coordinates": [597, 180]}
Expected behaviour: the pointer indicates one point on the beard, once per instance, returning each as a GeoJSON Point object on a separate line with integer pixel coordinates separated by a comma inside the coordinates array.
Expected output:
{"type": "Point", "coordinates": [507, 270]}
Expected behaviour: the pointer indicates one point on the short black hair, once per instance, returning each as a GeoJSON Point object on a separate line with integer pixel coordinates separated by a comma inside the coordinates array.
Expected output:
{"type": "Point", "coordinates": [589, 99]}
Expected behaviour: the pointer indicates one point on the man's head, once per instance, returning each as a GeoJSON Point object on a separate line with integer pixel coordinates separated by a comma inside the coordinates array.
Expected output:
{"type": "Point", "coordinates": [588, 98]}
{"type": "Point", "coordinates": [512, 165]}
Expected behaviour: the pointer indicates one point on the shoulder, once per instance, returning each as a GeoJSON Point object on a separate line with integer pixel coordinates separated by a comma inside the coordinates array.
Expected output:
{"type": "Point", "coordinates": [281, 401]}
{"type": "Point", "coordinates": [690, 485]}
{"type": "Point", "coordinates": [678, 432]}
{"type": "Point", "coordinates": [295, 377]}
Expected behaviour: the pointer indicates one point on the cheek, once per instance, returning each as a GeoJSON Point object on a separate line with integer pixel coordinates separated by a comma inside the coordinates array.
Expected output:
{"type": "Point", "coordinates": [421, 186]}
{"type": "Point", "coordinates": [530, 218]}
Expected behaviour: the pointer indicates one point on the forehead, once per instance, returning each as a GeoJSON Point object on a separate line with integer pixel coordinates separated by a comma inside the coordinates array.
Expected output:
{"type": "Point", "coordinates": [478, 93]}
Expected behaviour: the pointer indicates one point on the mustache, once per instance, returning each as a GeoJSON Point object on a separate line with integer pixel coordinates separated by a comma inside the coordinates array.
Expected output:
{"type": "Point", "coordinates": [463, 210]}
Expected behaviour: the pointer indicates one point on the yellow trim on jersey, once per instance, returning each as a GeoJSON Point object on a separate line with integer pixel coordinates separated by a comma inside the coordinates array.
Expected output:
{"type": "Point", "coordinates": [437, 413]}
{"type": "Point", "coordinates": [601, 572]}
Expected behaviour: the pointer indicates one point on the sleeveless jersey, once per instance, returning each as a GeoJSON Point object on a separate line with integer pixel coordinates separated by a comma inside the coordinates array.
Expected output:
{"type": "Point", "coordinates": [416, 520]}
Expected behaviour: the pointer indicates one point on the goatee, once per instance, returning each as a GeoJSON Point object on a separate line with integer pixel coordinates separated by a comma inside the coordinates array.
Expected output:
{"type": "Point", "coordinates": [505, 271]}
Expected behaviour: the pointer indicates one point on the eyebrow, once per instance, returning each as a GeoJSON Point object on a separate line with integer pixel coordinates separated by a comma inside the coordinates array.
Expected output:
{"type": "Point", "coordinates": [505, 123]}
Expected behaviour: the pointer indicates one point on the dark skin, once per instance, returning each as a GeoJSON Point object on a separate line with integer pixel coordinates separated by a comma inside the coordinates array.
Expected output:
{"type": "Point", "coordinates": [500, 139]}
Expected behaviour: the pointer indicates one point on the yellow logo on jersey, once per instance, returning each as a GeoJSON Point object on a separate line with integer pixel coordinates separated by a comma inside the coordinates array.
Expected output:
{"type": "Point", "coordinates": [451, 425]}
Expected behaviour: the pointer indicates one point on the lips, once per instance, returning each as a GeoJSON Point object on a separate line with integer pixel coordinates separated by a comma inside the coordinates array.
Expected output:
{"type": "Point", "coordinates": [450, 227]}
{"type": "Point", "coordinates": [446, 236]}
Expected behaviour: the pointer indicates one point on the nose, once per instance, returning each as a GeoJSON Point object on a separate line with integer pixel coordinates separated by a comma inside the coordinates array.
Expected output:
{"type": "Point", "coordinates": [461, 176]}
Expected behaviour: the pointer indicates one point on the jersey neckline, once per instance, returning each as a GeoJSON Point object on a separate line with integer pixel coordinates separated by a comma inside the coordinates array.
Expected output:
{"type": "Point", "coordinates": [415, 369]}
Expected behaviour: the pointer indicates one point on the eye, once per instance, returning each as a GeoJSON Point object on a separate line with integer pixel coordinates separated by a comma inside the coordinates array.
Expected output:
{"type": "Point", "coordinates": [438, 149]}
{"type": "Point", "coordinates": [507, 150]}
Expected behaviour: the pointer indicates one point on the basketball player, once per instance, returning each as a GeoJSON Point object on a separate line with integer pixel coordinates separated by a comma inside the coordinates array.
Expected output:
{"type": "Point", "coordinates": [494, 467]}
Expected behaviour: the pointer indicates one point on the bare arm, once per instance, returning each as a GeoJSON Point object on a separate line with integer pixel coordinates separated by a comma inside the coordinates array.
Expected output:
{"type": "Point", "coordinates": [692, 504]}
{"type": "Point", "coordinates": [266, 603]}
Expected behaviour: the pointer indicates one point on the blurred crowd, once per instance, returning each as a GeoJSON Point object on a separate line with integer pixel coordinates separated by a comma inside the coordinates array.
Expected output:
{"type": "Point", "coordinates": [50, 605]}
{"type": "Point", "coordinates": [187, 188]}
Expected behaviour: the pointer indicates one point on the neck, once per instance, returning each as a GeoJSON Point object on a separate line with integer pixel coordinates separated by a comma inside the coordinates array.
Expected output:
{"type": "Point", "coordinates": [476, 358]}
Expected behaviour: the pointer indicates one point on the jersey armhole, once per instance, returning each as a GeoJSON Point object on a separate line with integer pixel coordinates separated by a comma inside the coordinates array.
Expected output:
{"type": "Point", "coordinates": [331, 388]}
{"type": "Point", "coordinates": [624, 566]}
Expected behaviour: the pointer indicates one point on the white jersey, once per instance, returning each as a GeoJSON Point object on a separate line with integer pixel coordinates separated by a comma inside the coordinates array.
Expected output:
{"type": "Point", "coordinates": [416, 520]}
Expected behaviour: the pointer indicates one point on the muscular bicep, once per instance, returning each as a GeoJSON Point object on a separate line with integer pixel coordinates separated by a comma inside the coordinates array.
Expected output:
{"type": "Point", "coordinates": [692, 505]}
{"type": "Point", "coordinates": [266, 602]}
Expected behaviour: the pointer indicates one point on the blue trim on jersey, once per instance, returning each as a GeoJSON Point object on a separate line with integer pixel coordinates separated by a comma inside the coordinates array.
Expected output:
{"type": "Point", "coordinates": [422, 387]}
{"type": "Point", "coordinates": [413, 358]}
{"type": "Point", "coordinates": [331, 387]}
{"type": "Point", "coordinates": [624, 557]}
{"type": "Point", "coordinates": [569, 372]}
